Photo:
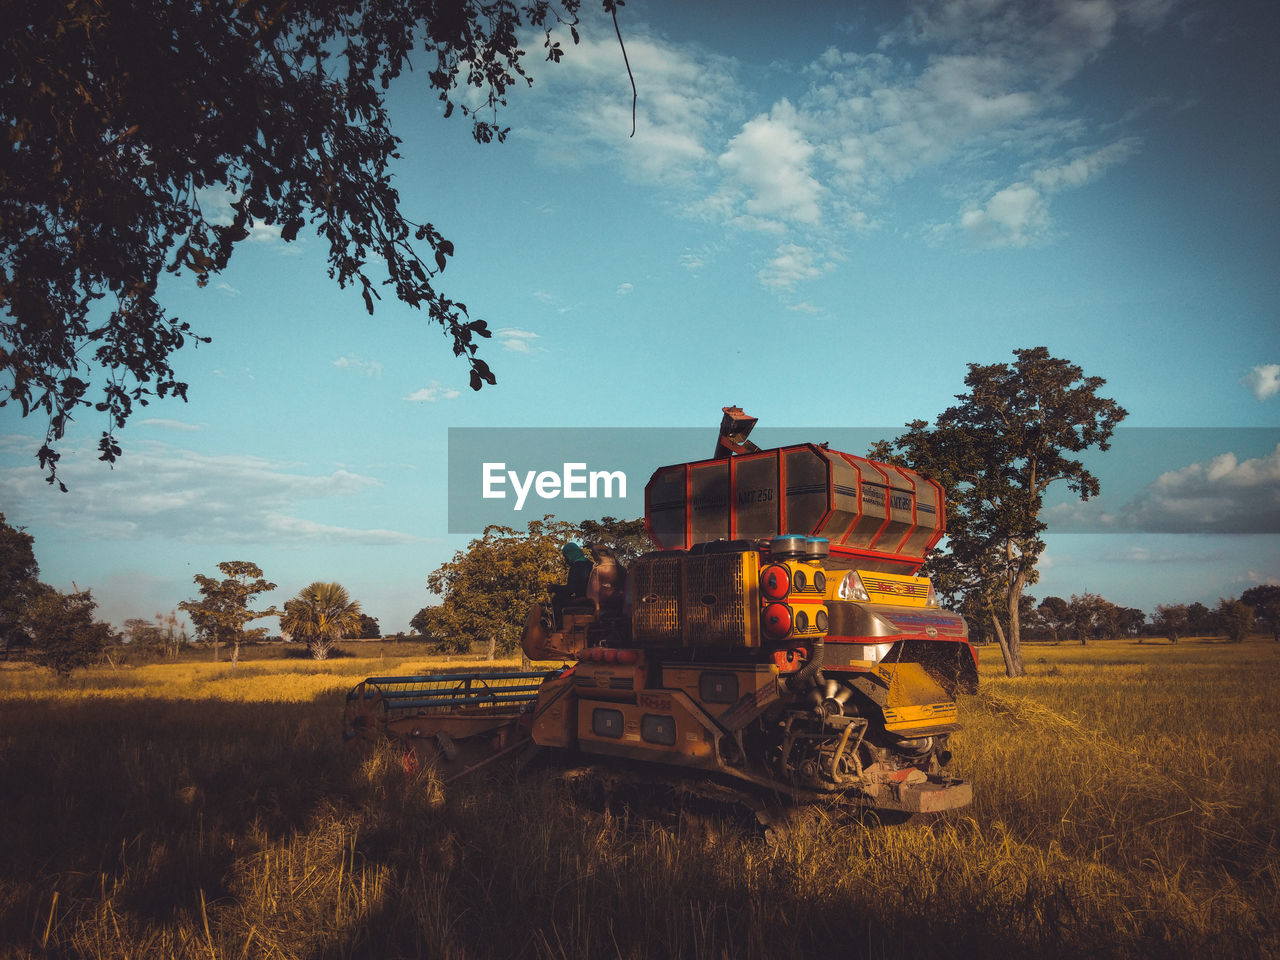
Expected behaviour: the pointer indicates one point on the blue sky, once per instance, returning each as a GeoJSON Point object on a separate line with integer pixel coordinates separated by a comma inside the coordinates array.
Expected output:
{"type": "Point", "coordinates": [826, 212]}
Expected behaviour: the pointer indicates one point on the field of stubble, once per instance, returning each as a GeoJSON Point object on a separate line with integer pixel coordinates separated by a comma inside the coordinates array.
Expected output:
{"type": "Point", "coordinates": [1126, 805]}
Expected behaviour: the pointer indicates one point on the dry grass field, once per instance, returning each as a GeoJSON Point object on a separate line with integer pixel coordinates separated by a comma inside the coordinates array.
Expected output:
{"type": "Point", "coordinates": [1126, 806]}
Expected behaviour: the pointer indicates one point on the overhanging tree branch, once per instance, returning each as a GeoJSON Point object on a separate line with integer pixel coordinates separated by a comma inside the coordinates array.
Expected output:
{"type": "Point", "coordinates": [119, 115]}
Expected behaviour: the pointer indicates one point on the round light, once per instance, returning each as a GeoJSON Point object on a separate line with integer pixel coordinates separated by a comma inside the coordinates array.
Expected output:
{"type": "Point", "coordinates": [820, 582]}
{"type": "Point", "coordinates": [799, 580]}
{"type": "Point", "coordinates": [776, 619]}
{"type": "Point", "coordinates": [820, 621]}
{"type": "Point", "coordinates": [775, 581]}
{"type": "Point", "coordinates": [802, 621]}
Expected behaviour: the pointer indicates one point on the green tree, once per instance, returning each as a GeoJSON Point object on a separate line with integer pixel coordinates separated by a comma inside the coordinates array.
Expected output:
{"type": "Point", "coordinates": [1056, 613]}
{"type": "Point", "coordinates": [1265, 600]}
{"type": "Point", "coordinates": [996, 453]}
{"type": "Point", "coordinates": [221, 615]}
{"type": "Point", "coordinates": [366, 629]}
{"type": "Point", "coordinates": [64, 635]}
{"type": "Point", "coordinates": [1171, 619]}
{"type": "Point", "coordinates": [1235, 618]}
{"type": "Point", "coordinates": [1093, 617]}
{"type": "Point", "coordinates": [1200, 619]}
{"type": "Point", "coordinates": [1131, 621]}
{"type": "Point", "coordinates": [487, 588]}
{"type": "Point", "coordinates": [319, 616]}
{"type": "Point", "coordinates": [126, 120]}
{"type": "Point", "coordinates": [145, 636]}
{"type": "Point", "coordinates": [431, 625]}
{"type": "Point", "coordinates": [626, 538]}
{"type": "Point", "coordinates": [19, 584]}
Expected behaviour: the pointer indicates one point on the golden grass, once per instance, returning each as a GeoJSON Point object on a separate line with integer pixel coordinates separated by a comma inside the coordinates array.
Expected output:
{"type": "Point", "coordinates": [258, 680]}
{"type": "Point", "coordinates": [1124, 807]}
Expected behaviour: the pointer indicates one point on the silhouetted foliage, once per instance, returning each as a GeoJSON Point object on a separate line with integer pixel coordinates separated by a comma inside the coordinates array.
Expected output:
{"type": "Point", "coordinates": [19, 583]}
{"type": "Point", "coordinates": [1055, 613]}
{"type": "Point", "coordinates": [366, 629]}
{"type": "Point", "coordinates": [1265, 600]}
{"type": "Point", "coordinates": [1235, 618]}
{"type": "Point", "coordinates": [1200, 619]}
{"type": "Point", "coordinates": [1171, 620]}
{"type": "Point", "coordinates": [125, 122]}
{"type": "Point", "coordinates": [64, 635]}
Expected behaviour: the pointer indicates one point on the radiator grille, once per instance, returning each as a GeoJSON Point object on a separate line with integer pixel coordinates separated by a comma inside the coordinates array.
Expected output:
{"type": "Point", "coordinates": [716, 603]}
{"type": "Point", "coordinates": [656, 611]}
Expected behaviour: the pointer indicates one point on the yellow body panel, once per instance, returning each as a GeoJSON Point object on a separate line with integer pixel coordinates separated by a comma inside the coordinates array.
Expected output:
{"type": "Point", "coordinates": [718, 688]}
{"type": "Point", "coordinates": [896, 588]}
{"type": "Point", "coordinates": [614, 681]}
{"type": "Point", "coordinates": [920, 716]}
{"type": "Point", "coordinates": [916, 703]}
{"type": "Point", "coordinates": [553, 714]}
{"type": "Point", "coordinates": [660, 725]}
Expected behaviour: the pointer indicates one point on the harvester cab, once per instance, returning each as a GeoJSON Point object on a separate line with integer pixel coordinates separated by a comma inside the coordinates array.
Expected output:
{"type": "Point", "coordinates": [779, 638]}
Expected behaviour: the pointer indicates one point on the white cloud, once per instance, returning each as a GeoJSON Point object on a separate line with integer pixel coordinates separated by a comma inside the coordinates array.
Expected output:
{"type": "Point", "coordinates": [770, 163]}
{"type": "Point", "coordinates": [1012, 217]}
{"type": "Point", "coordinates": [517, 341]}
{"type": "Point", "coordinates": [1222, 495]}
{"type": "Point", "coordinates": [791, 264]}
{"type": "Point", "coordinates": [215, 202]}
{"type": "Point", "coordinates": [1082, 166]}
{"type": "Point", "coordinates": [1078, 516]}
{"type": "Point", "coordinates": [165, 424]}
{"type": "Point", "coordinates": [370, 368]}
{"type": "Point", "coordinates": [166, 492]}
{"type": "Point", "coordinates": [286, 529]}
{"type": "Point", "coordinates": [1146, 555]}
{"type": "Point", "coordinates": [624, 289]}
{"type": "Point", "coordinates": [1263, 380]}
{"type": "Point", "coordinates": [977, 91]}
{"type": "Point", "coordinates": [685, 94]}
{"type": "Point", "coordinates": [264, 232]}
{"type": "Point", "coordinates": [961, 80]}
{"type": "Point", "coordinates": [432, 392]}
{"type": "Point", "coordinates": [1019, 213]}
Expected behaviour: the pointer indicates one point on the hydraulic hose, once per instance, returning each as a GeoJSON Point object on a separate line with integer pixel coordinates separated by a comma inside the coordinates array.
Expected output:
{"type": "Point", "coordinates": [811, 673]}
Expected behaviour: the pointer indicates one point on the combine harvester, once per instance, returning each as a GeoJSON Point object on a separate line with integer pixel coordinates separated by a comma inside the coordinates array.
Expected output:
{"type": "Point", "coordinates": [777, 645]}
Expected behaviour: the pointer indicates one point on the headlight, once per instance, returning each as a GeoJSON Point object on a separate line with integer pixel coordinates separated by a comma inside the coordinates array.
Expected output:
{"type": "Point", "coordinates": [851, 588]}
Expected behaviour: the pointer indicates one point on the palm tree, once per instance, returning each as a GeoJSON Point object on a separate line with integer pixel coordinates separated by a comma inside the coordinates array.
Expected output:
{"type": "Point", "coordinates": [320, 615]}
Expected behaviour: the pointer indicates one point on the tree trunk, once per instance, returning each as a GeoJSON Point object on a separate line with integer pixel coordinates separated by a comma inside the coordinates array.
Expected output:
{"type": "Point", "coordinates": [1011, 645]}
{"type": "Point", "coordinates": [493, 644]}
{"type": "Point", "coordinates": [1010, 648]}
